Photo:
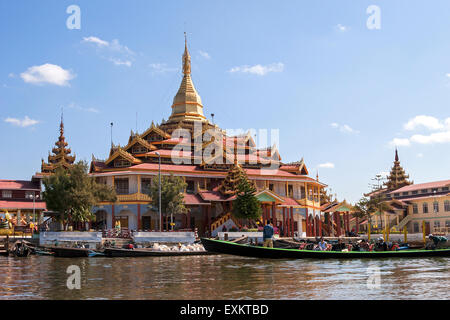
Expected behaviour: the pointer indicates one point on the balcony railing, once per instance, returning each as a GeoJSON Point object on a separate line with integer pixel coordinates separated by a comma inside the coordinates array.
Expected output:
{"type": "Point", "coordinates": [133, 197]}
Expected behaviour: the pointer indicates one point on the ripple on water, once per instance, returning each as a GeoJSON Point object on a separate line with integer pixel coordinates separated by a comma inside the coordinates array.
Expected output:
{"type": "Point", "coordinates": [223, 277]}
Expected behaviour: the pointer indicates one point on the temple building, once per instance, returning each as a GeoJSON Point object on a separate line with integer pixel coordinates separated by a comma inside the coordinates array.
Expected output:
{"type": "Point", "coordinates": [418, 207]}
{"type": "Point", "coordinates": [188, 145]}
{"type": "Point", "coordinates": [61, 154]}
{"type": "Point", "coordinates": [397, 177]}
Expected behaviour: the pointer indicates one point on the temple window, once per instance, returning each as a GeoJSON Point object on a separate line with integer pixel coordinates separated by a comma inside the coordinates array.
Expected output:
{"type": "Point", "coordinates": [122, 186]}
{"type": "Point", "coordinates": [7, 194]}
{"type": "Point", "coordinates": [404, 193]}
{"type": "Point", "coordinates": [447, 223]}
{"type": "Point", "coordinates": [302, 192]}
{"type": "Point", "coordinates": [190, 188]}
{"type": "Point", "coordinates": [119, 163]}
{"type": "Point", "coordinates": [271, 186]}
{"type": "Point", "coordinates": [435, 206]}
{"type": "Point", "coordinates": [415, 192]}
{"type": "Point", "coordinates": [447, 206]}
{"type": "Point", "coordinates": [145, 185]}
{"type": "Point", "coordinates": [445, 189]}
{"type": "Point", "coordinates": [424, 191]}
{"type": "Point", "coordinates": [437, 224]}
{"type": "Point", "coordinates": [425, 207]}
{"type": "Point", "coordinates": [415, 208]}
{"type": "Point", "coordinates": [290, 190]}
{"type": "Point", "coordinates": [139, 149]}
{"type": "Point", "coordinates": [416, 227]}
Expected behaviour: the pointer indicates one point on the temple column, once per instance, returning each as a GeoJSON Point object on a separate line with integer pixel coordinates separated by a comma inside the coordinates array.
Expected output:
{"type": "Point", "coordinates": [357, 225]}
{"type": "Point", "coordinates": [338, 224]}
{"type": "Point", "coordinates": [113, 218]}
{"type": "Point", "coordinates": [292, 222]}
{"type": "Point", "coordinates": [139, 217]}
{"type": "Point", "coordinates": [320, 226]}
{"type": "Point", "coordinates": [209, 220]}
{"type": "Point", "coordinates": [188, 219]}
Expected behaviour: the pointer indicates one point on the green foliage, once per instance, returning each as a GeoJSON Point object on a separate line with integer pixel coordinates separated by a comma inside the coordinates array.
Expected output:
{"type": "Point", "coordinates": [172, 196]}
{"type": "Point", "coordinates": [366, 207]}
{"type": "Point", "coordinates": [246, 205]}
{"type": "Point", "coordinates": [72, 193]}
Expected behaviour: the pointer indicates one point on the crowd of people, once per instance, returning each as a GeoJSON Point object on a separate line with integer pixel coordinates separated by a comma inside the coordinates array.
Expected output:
{"type": "Point", "coordinates": [360, 245]}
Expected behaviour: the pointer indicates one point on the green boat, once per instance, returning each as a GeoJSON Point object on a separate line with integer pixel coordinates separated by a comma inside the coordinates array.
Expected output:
{"type": "Point", "coordinates": [247, 250]}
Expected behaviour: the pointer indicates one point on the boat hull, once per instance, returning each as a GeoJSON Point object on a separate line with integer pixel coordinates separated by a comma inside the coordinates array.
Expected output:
{"type": "Point", "coordinates": [69, 252]}
{"type": "Point", "coordinates": [116, 252]}
{"type": "Point", "coordinates": [227, 247]}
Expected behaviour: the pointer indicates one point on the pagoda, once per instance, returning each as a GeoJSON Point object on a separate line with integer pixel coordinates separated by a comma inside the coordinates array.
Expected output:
{"type": "Point", "coordinates": [397, 178]}
{"type": "Point", "coordinates": [61, 154]}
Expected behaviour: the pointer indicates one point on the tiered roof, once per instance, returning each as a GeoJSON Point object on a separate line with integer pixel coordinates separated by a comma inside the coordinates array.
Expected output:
{"type": "Point", "coordinates": [397, 178]}
{"type": "Point", "coordinates": [203, 149]}
{"type": "Point", "coordinates": [61, 154]}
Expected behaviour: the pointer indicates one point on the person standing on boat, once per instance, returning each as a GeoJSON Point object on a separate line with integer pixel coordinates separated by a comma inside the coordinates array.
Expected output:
{"type": "Point", "coordinates": [268, 234]}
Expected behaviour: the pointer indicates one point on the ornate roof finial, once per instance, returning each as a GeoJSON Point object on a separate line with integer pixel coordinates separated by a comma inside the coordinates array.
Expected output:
{"type": "Point", "coordinates": [186, 58]}
{"type": "Point", "coordinates": [396, 154]}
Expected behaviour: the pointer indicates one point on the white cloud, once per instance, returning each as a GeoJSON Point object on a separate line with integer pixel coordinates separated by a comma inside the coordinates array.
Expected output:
{"type": "Point", "coordinates": [99, 42]}
{"type": "Point", "coordinates": [428, 122]}
{"type": "Point", "coordinates": [204, 54]}
{"type": "Point", "coordinates": [119, 62]}
{"type": "Point", "coordinates": [11, 75]}
{"type": "Point", "coordinates": [341, 28]}
{"type": "Point", "coordinates": [47, 73]}
{"type": "Point", "coordinates": [437, 137]}
{"type": "Point", "coordinates": [77, 107]}
{"type": "Point", "coordinates": [344, 128]}
{"type": "Point", "coordinates": [328, 165]}
{"type": "Point", "coordinates": [25, 122]}
{"type": "Point", "coordinates": [112, 51]}
{"type": "Point", "coordinates": [259, 69]}
{"type": "Point", "coordinates": [440, 131]}
{"type": "Point", "coordinates": [400, 142]}
{"type": "Point", "coordinates": [161, 68]}
{"type": "Point", "coordinates": [420, 155]}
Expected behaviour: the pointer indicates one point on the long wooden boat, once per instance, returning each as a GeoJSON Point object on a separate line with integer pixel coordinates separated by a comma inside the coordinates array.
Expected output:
{"type": "Point", "coordinates": [73, 252]}
{"type": "Point", "coordinates": [117, 252]}
{"type": "Point", "coordinates": [227, 247]}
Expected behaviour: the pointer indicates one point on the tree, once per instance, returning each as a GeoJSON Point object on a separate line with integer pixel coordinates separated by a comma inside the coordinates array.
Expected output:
{"type": "Point", "coordinates": [246, 205]}
{"type": "Point", "coordinates": [366, 207]}
{"type": "Point", "coordinates": [172, 196]}
{"type": "Point", "coordinates": [72, 193]}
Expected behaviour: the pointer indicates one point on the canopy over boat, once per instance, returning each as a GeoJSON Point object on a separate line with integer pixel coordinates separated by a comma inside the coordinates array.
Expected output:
{"type": "Point", "coordinates": [227, 247]}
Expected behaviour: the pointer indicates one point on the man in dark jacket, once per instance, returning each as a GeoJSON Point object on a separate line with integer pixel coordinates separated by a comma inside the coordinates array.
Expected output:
{"type": "Point", "coordinates": [268, 234]}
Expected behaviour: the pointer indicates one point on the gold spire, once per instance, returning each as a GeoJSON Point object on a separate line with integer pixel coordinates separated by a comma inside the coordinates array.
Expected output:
{"type": "Point", "coordinates": [186, 58]}
{"type": "Point", "coordinates": [187, 104]}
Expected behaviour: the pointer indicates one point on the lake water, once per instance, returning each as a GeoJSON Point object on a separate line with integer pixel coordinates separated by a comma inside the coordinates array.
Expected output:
{"type": "Point", "coordinates": [224, 277]}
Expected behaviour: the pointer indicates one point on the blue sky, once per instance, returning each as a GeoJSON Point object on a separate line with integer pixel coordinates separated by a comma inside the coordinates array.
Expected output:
{"type": "Point", "coordinates": [341, 95]}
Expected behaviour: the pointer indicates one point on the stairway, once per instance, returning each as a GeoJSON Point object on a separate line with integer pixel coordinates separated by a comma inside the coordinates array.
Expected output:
{"type": "Point", "coordinates": [403, 222]}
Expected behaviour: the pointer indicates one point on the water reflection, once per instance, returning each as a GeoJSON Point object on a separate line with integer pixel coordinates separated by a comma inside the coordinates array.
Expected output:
{"type": "Point", "coordinates": [222, 277]}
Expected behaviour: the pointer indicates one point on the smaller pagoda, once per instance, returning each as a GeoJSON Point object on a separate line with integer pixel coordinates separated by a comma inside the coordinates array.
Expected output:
{"type": "Point", "coordinates": [397, 178]}
{"type": "Point", "coordinates": [61, 154]}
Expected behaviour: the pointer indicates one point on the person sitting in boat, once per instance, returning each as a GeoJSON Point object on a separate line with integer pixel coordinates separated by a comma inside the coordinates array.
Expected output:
{"type": "Point", "coordinates": [363, 245]}
{"type": "Point", "coordinates": [339, 246]}
{"type": "Point", "coordinates": [268, 234]}
{"type": "Point", "coordinates": [381, 245]}
{"type": "Point", "coordinates": [437, 241]}
{"type": "Point", "coordinates": [322, 245]}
